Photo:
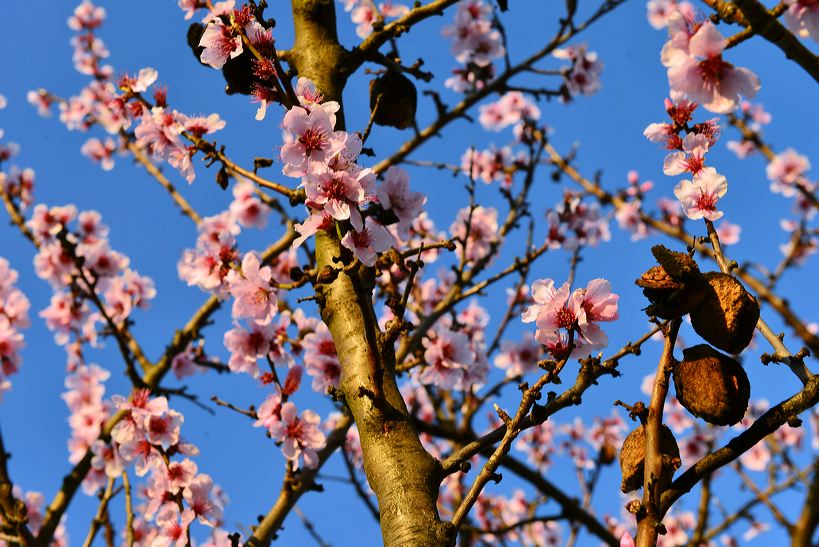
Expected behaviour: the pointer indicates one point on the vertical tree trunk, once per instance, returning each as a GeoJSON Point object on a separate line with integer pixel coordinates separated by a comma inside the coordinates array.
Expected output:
{"type": "Point", "coordinates": [402, 474]}
{"type": "Point", "coordinates": [805, 527]}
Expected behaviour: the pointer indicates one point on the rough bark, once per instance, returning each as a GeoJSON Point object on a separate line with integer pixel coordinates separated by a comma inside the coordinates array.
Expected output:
{"type": "Point", "coordinates": [402, 474]}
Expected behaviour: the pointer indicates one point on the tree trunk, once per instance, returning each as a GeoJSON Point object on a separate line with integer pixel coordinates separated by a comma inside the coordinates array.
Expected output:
{"type": "Point", "coordinates": [404, 477]}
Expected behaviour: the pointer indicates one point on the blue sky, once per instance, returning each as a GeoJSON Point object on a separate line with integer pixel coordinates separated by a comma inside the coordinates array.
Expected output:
{"type": "Point", "coordinates": [145, 225]}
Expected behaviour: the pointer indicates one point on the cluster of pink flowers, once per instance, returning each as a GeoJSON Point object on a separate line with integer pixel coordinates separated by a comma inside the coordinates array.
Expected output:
{"type": "Point", "coordinates": [492, 164]}
{"type": "Point", "coordinates": [208, 265]}
{"type": "Point", "coordinates": [518, 358]}
{"type": "Point", "coordinates": [88, 48]}
{"type": "Point", "coordinates": [116, 107]}
{"type": "Point", "coordinates": [574, 223]}
{"type": "Point", "coordinates": [84, 250]}
{"type": "Point", "coordinates": [583, 76]}
{"type": "Point", "coordinates": [18, 183]}
{"type": "Point", "coordinates": [321, 359]}
{"type": "Point", "coordinates": [84, 399]}
{"type": "Point", "coordinates": [475, 231]}
{"type": "Point", "coordinates": [300, 435]}
{"type": "Point", "coordinates": [787, 171]}
{"type": "Point", "coordinates": [456, 360]}
{"type": "Point", "coordinates": [337, 187]}
{"type": "Point", "coordinates": [499, 512]}
{"type": "Point", "coordinates": [34, 502]}
{"type": "Point", "coordinates": [364, 13]}
{"type": "Point", "coordinates": [476, 43]}
{"type": "Point", "coordinates": [802, 18]}
{"type": "Point", "coordinates": [699, 195]}
{"type": "Point", "coordinates": [175, 493]}
{"type": "Point", "coordinates": [14, 308]}
{"type": "Point", "coordinates": [754, 116]}
{"type": "Point", "coordinates": [513, 108]}
{"type": "Point", "coordinates": [696, 69]}
{"type": "Point", "coordinates": [567, 321]}
{"type": "Point", "coordinates": [629, 216]}
{"type": "Point", "coordinates": [659, 11]}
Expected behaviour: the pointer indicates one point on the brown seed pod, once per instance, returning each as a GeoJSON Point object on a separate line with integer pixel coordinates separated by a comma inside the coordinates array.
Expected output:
{"type": "Point", "coordinates": [679, 266]}
{"type": "Point", "coordinates": [633, 455]}
{"type": "Point", "coordinates": [711, 386]}
{"type": "Point", "coordinates": [393, 100]}
{"type": "Point", "coordinates": [669, 296]}
{"type": "Point", "coordinates": [727, 314]}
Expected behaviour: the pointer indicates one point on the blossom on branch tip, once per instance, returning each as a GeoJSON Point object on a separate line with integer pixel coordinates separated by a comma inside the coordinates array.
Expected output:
{"type": "Point", "coordinates": [696, 70]}
{"type": "Point", "coordinates": [220, 42]}
{"type": "Point", "coordinates": [699, 196]}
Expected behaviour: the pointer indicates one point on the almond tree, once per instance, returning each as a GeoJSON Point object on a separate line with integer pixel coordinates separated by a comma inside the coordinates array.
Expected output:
{"type": "Point", "coordinates": [388, 315]}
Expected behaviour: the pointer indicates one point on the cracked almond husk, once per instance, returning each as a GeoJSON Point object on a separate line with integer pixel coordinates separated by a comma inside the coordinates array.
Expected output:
{"type": "Point", "coordinates": [393, 100]}
{"type": "Point", "coordinates": [711, 386]}
{"type": "Point", "coordinates": [675, 287]}
{"type": "Point", "coordinates": [727, 314]}
{"type": "Point", "coordinates": [633, 454]}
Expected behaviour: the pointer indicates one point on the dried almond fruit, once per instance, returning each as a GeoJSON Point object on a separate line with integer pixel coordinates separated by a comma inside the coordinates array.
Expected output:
{"type": "Point", "coordinates": [633, 455]}
{"type": "Point", "coordinates": [712, 386]}
{"type": "Point", "coordinates": [726, 315]}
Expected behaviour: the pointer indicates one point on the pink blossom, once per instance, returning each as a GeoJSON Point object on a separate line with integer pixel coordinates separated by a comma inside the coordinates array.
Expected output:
{"type": "Point", "coordinates": [254, 298]}
{"type": "Point", "coordinates": [321, 359]}
{"type": "Point", "coordinates": [310, 97]}
{"type": "Point", "coordinates": [248, 210]}
{"type": "Point", "coordinates": [583, 77]}
{"type": "Point", "coordinates": [786, 171]}
{"type": "Point", "coordinates": [339, 193]}
{"type": "Point", "coordinates": [368, 242]}
{"type": "Point", "coordinates": [40, 99]}
{"type": "Point", "coordinates": [248, 346]}
{"type": "Point", "coordinates": [180, 474]}
{"type": "Point", "coordinates": [100, 152]}
{"type": "Point", "coordinates": [475, 41]}
{"type": "Point", "coordinates": [173, 526]}
{"type": "Point", "coordinates": [198, 495]}
{"type": "Point", "coordinates": [659, 11]}
{"type": "Point", "coordinates": [690, 159]}
{"type": "Point", "coordinates": [480, 236]}
{"type": "Point", "coordinates": [310, 132]}
{"type": "Point", "coordinates": [802, 18]}
{"type": "Point", "coordinates": [448, 355]}
{"type": "Point", "coordinates": [300, 435]}
{"type": "Point", "coordinates": [269, 412]}
{"type": "Point", "coordinates": [757, 458]}
{"type": "Point", "coordinates": [698, 71]}
{"type": "Point", "coordinates": [164, 429]}
{"type": "Point", "coordinates": [629, 218]}
{"type": "Point", "coordinates": [394, 195]}
{"type": "Point", "coordinates": [321, 220]}
{"type": "Point", "coordinates": [699, 196]}
{"type": "Point", "coordinates": [728, 233]}
{"type": "Point", "coordinates": [220, 42]}
{"type": "Point", "coordinates": [86, 16]}
{"type": "Point", "coordinates": [513, 107]}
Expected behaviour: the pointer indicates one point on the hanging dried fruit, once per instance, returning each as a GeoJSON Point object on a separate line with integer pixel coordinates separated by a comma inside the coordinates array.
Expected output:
{"type": "Point", "coordinates": [393, 100]}
{"type": "Point", "coordinates": [711, 386]}
{"type": "Point", "coordinates": [727, 315]}
{"type": "Point", "coordinates": [675, 287]}
{"type": "Point", "coordinates": [633, 455]}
